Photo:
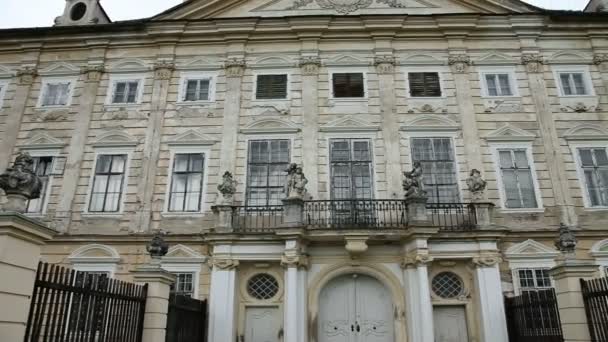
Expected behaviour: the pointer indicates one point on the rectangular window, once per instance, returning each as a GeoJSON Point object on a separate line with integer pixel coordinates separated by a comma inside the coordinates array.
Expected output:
{"type": "Point", "coordinates": [439, 166]}
{"type": "Point", "coordinates": [348, 85]}
{"type": "Point", "coordinates": [573, 83]}
{"type": "Point", "coordinates": [351, 169]}
{"type": "Point", "coordinates": [108, 183]}
{"type": "Point", "coordinates": [125, 92]}
{"type": "Point", "coordinates": [187, 182]}
{"type": "Point", "coordinates": [184, 284]}
{"type": "Point", "coordinates": [498, 85]}
{"type": "Point", "coordinates": [271, 87]}
{"type": "Point", "coordinates": [43, 167]}
{"type": "Point", "coordinates": [424, 84]}
{"type": "Point", "coordinates": [266, 176]}
{"type": "Point", "coordinates": [55, 94]}
{"type": "Point", "coordinates": [532, 279]}
{"type": "Point", "coordinates": [594, 164]}
{"type": "Point", "coordinates": [517, 180]}
{"type": "Point", "coordinates": [197, 90]}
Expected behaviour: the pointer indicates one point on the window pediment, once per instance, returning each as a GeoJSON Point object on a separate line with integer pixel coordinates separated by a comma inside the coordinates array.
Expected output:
{"type": "Point", "coordinates": [422, 59]}
{"type": "Point", "coordinates": [570, 57]}
{"type": "Point", "coordinates": [199, 64]}
{"type": "Point", "coordinates": [128, 65]}
{"type": "Point", "coordinates": [531, 249]}
{"type": "Point", "coordinates": [273, 62]}
{"type": "Point", "coordinates": [586, 132]}
{"type": "Point", "coordinates": [347, 60]}
{"type": "Point", "coordinates": [431, 123]}
{"type": "Point", "coordinates": [42, 141]}
{"type": "Point", "coordinates": [6, 72]}
{"type": "Point", "coordinates": [183, 254]}
{"type": "Point", "coordinates": [115, 138]}
{"type": "Point", "coordinates": [94, 253]}
{"type": "Point", "coordinates": [349, 123]}
{"type": "Point", "coordinates": [59, 69]}
{"type": "Point", "coordinates": [270, 126]}
{"type": "Point", "coordinates": [510, 133]}
{"type": "Point", "coordinates": [497, 58]}
{"type": "Point", "coordinates": [192, 137]}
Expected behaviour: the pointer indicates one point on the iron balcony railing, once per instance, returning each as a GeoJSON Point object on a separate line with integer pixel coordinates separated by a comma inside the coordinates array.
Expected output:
{"type": "Point", "coordinates": [452, 216]}
{"type": "Point", "coordinates": [355, 214]}
{"type": "Point", "coordinates": [256, 218]}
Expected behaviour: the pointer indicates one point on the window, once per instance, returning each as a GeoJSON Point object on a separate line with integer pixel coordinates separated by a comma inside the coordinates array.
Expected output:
{"type": "Point", "coordinates": [498, 84]}
{"type": "Point", "coordinates": [184, 284]}
{"type": "Point", "coordinates": [125, 91]}
{"type": "Point", "coordinates": [267, 162]}
{"type": "Point", "coordinates": [573, 83]}
{"type": "Point", "coordinates": [532, 279]}
{"type": "Point", "coordinates": [271, 87]}
{"type": "Point", "coordinates": [56, 93]}
{"type": "Point", "coordinates": [108, 183]}
{"type": "Point", "coordinates": [351, 169]}
{"type": "Point", "coordinates": [447, 285]}
{"type": "Point", "coordinates": [516, 177]}
{"type": "Point", "coordinates": [348, 85]}
{"type": "Point", "coordinates": [197, 90]}
{"type": "Point", "coordinates": [43, 167]}
{"type": "Point", "coordinates": [439, 165]}
{"type": "Point", "coordinates": [263, 286]}
{"type": "Point", "coordinates": [187, 182]}
{"type": "Point", "coordinates": [424, 84]}
{"type": "Point", "coordinates": [594, 166]}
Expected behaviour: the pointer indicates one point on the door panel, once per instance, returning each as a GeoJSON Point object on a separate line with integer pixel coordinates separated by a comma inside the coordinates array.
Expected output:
{"type": "Point", "coordinates": [450, 324]}
{"type": "Point", "coordinates": [374, 314]}
{"type": "Point", "coordinates": [262, 324]}
{"type": "Point", "coordinates": [337, 311]}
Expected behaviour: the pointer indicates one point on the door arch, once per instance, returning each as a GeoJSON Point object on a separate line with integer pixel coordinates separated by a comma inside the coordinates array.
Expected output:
{"type": "Point", "coordinates": [355, 308]}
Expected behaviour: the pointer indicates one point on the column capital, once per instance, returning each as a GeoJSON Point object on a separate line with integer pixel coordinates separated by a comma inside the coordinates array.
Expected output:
{"type": "Point", "coordinates": [26, 75]}
{"type": "Point", "coordinates": [163, 70]}
{"type": "Point", "coordinates": [385, 64]}
{"type": "Point", "coordinates": [533, 62]}
{"type": "Point", "coordinates": [299, 261]}
{"type": "Point", "coordinates": [224, 263]}
{"type": "Point", "coordinates": [486, 261]}
{"type": "Point", "coordinates": [235, 67]}
{"type": "Point", "coordinates": [310, 65]}
{"type": "Point", "coordinates": [93, 72]}
{"type": "Point", "coordinates": [459, 63]}
{"type": "Point", "coordinates": [416, 260]}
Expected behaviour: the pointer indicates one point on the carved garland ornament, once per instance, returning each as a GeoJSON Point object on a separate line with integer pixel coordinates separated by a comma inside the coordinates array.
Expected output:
{"type": "Point", "coordinates": [235, 67]}
{"type": "Point", "coordinates": [27, 75]}
{"type": "Point", "coordinates": [224, 264]}
{"type": "Point", "coordinates": [416, 260]}
{"type": "Point", "coordinates": [600, 58]}
{"type": "Point", "coordinates": [163, 70]}
{"type": "Point", "coordinates": [459, 63]}
{"type": "Point", "coordinates": [385, 64]}
{"type": "Point", "coordinates": [310, 65]}
{"type": "Point", "coordinates": [93, 72]}
{"type": "Point", "coordinates": [533, 62]}
{"type": "Point", "coordinates": [345, 6]}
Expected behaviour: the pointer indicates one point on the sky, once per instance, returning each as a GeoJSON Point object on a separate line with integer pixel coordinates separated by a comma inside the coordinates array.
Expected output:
{"type": "Point", "coordinates": [43, 12]}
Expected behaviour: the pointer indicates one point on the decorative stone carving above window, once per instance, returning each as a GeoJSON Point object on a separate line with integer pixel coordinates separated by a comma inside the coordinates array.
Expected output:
{"type": "Point", "coordinates": [115, 138]}
{"type": "Point", "coordinates": [530, 249]}
{"type": "Point", "coordinates": [421, 59]}
{"type": "Point", "coordinates": [201, 63]}
{"type": "Point", "coordinates": [459, 63]}
{"type": "Point", "coordinates": [579, 104]}
{"type": "Point", "coordinates": [496, 58]}
{"type": "Point", "coordinates": [192, 137]}
{"type": "Point", "coordinates": [533, 62]}
{"type": "Point", "coordinates": [430, 123]}
{"type": "Point", "coordinates": [273, 62]}
{"type": "Point", "coordinates": [385, 64]}
{"type": "Point", "coordinates": [59, 69]}
{"type": "Point", "coordinates": [570, 57]}
{"type": "Point", "coordinates": [349, 124]}
{"type": "Point", "coordinates": [270, 109]}
{"type": "Point", "coordinates": [26, 75]}
{"type": "Point", "coordinates": [183, 254]}
{"type": "Point", "coordinates": [52, 115]}
{"type": "Point", "coordinates": [586, 132]}
{"type": "Point", "coordinates": [43, 141]}
{"type": "Point", "coordinates": [128, 65]}
{"type": "Point", "coordinates": [503, 105]}
{"type": "Point", "coordinates": [510, 133]}
{"type": "Point", "coordinates": [271, 126]}
{"type": "Point", "coordinates": [184, 112]}
{"type": "Point", "coordinates": [310, 65]}
{"type": "Point", "coordinates": [235, 67]}
{"type": "Point", "coordinates": [347, 61]}
{"type": "Point", "coordinates": [426, 108]}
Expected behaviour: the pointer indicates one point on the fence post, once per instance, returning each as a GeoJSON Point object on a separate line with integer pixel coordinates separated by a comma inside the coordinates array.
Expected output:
{"type": "Point", "coordinates": [570, 302]}
{"type": "Point", "coordinates": [157, 304]}
{"type": "Point", "coordinates": [21, 240]}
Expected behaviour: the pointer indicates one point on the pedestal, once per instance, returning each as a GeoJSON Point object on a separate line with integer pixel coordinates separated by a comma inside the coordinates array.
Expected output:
{"type": "Point", "coordinates": [293, 212]}
{"type": "Point", "coordinates": [483, 213]}
{"type": "Point", "coordinates": [416, 210]}
{"type": "Point", "coordinates": [157, 304]}
{"type": "Point", "coordinates": [21, 240]}
{"type": "Point", "coordinates": [15, 203]}
{"type": "Point", "coordinates": [223, 218]}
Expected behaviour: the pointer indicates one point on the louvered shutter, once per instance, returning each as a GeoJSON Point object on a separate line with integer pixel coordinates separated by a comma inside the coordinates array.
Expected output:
{"type": "Point", "coordinates": [271, 87]}
{"type": "Point", "coordinates": [347, 85]}
{"type": "Point", "coordinates": [424, 84]}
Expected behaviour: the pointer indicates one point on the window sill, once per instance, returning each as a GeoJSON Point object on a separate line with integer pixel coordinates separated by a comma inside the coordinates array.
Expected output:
{"type": "Point", "coordinates": [194, 103]}
{"type": "Point", "coordinates": [168, 214]}
{"type": "Point", "coordinates": [43, 108]}
{"type": "Point", "coordinates": [577, 96]}
{"type": "Point", "coordinates": [270, 100]}
{"type": "Point", "coordinates": [427, 98]}
{"type": "Point", "coordinates": [522, 211]}
{"type": "Point", "coordinates": [103, 215]}
{"type": "Point", "coordinates": [121, 105]}
{"type": "Point", "coordinates": [592, 209]}
{"type": "Point", "coordinates": [348, 99]}
{"type": "Point", "coordinates": [512, 97]}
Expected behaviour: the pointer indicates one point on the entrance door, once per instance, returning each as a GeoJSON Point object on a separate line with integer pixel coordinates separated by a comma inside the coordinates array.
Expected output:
{"type": "Point", "coordinates": [450, 324]}
{"type": "Point", "coordinates": [262, 324]}
{"type": "Point", "coordinates": [355, 308]}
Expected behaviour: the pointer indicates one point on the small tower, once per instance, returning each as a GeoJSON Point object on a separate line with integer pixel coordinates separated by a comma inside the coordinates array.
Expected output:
{"type": "Point", "coordinates": [82, 12]}
{"type": "Point", "coordinates": [597, 6]}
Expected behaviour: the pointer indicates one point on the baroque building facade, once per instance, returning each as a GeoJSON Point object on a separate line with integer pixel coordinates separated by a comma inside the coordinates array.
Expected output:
{"type": "Point", "coordinates": [133, 126]}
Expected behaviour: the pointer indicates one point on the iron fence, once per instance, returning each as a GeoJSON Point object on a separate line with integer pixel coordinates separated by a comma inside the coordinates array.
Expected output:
{"type": "Point", "coordinates": [355, 214]}
{"type": "Point", "coordinates": [186, 319]}
{"type": "Point", "coordinates": [595, 296]}
{"type": "Point", "coordinates": [452, 216]}
{"type": "Point", "coordinates": [534, 317]}
{"type": "Point", "coordinates": [71, 306]}
{"type": "Point", "coordinates": [253, 219]}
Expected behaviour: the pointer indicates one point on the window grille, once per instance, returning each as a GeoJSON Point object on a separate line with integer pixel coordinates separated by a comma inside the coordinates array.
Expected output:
{"type": "Point", "coordinates": [447, 285]}
{"type": "Point", "coordinates": [263, 286]}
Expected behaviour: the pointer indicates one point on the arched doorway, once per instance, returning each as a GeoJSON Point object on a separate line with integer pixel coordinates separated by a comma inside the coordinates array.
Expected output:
{"type": "Point", "coordinates": [355, 308]}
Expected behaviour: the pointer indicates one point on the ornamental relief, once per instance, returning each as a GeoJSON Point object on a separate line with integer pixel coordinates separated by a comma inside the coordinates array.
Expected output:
{"type": "Point", "coordinates": [346, 6]}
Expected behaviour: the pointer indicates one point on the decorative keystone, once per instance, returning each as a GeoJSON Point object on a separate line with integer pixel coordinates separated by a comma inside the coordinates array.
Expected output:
{"type": "Point", "coordinates": [459, 63]}
{"type": "Point", "coordinates": [20, 183]}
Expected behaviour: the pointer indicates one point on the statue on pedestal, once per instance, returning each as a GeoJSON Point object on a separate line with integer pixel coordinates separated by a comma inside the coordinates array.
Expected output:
{"type": "Point", "coordinates": [227, 187]}
{"type": "Point", "coordinates": [476, 184]}
{"type": "Point", "coordinates": [295, 187]}
{"type": "Point", "coordinates": [20, 183]}
{"type": "Point", "coordinates": [413, 183]}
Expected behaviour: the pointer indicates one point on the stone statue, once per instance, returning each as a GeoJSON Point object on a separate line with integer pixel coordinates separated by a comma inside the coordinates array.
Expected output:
{"type": "Point", "coordinates": [158, 247]}
{"type": "Point", "coordinates": [476, 184]}
{"type": "Point", "coordinates": [20, 183]}
{"type": "Point", "coordinates": [567, 241]}
{"type": "Point", "coordinates": [227, 187]}
{"type": "Point", "coordinates": [295, 187]}
{"type": "Point", "coordinates": [413, 183]}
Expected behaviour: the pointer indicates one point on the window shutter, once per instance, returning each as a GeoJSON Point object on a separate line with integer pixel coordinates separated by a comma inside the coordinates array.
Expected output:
{"type": "Point", "coordinates": [347, 85]}
{"type": "Point", "coordinates": [58, 166]}
{"type": "Point", "coordinates": [271, 87]}
{"type": "Point", "coordinates": [424, 84]}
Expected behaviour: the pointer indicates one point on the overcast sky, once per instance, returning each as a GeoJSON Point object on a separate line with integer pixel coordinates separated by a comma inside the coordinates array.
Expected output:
{"type": "Point", "coordinates": [30, 13]}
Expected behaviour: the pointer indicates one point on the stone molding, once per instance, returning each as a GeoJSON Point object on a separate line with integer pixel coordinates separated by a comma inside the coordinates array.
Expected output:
{"type": "Point", "coordinates": [310, 65]}
{"type": "Point", "coordinates": [93, 72]}
{"type": "Point", "coordinates": [385, 64]}
{"type": "Point", "coordinates": [459, 63]}
{"type": "Point", "coordinates": [299, 261]}
{"type": "Point", "coordinates": [235, 67]}
{"type": "Point", "coordinates": [224, 263]}
{"type": "Point", "coordinates": [26, 75]}
{"type": "Point", "coordinates": [533, 62]}
{"type": "Point", "coordinates": [416, 260]}
{"type": "Point", "coordinates": [163, 70]}
{"type": "Point", "coordinates": [486, 261]}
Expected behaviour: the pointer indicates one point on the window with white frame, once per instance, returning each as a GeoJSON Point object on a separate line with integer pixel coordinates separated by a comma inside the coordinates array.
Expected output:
{"type": "Point", "coordinates": [56, 92]}
{"type": "Point", "coordinates": [351, 169]}
{"type": "Point", "coordinates": [43, 167]}
{"type": "Point", "coordinates": [498, 84]}
{"type": "Point", "coordinates": [533, 279]}
{"type": "Point", "coordinates": [197, 88]}
{"type": "Point", "coordinates": [347, 85]}
{"type": "Point", "coordinates": [518, 185]}
{"type": "Point", "coordinates": [271, 87]}
{"type": "Point", "coordinates": [266, 165]}
{"type": "Point", "coordinates": [108, 183]}
{"type": "Point", "coordinates": [439, 165]}
{"type": "Point", "coordinates": [593, 165]}
{"type": "Point", "coordinates": [573, 80]}
{"type": "Point", "coordinates": [125, 90]}
{"type": "Point", "coordinates": [186, 189]}
{"type": "Point", "coordinates": [184, 283]}
{"type": "Point", "coordinates": [424, 84]}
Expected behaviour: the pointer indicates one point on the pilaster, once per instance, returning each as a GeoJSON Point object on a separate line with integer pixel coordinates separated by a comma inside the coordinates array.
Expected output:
{"type": "Point", "coordinates": [222, 300]}
{"type": "Point", "coordinates": [601, 60]}
{"type": "Point", "coordinates": [492, 309]}
{"type": "Point", "coordinates": [234, 71]}
{"type": "Point", "coordinates": [419, 305]}
{"type": "Point", "coordinates": [295, 303]}
{"type": "Point", "coordinates": [309, 66]}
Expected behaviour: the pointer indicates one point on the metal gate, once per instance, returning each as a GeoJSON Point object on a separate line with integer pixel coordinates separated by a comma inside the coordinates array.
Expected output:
{"type": "Point", "coordinates": [77, 306]}
{"type": "Point", "coordinates": [595, 296]}
{"type": "Point", "coordinates": [186, 319]}
{"type": "Point", "coordinates": [534, 317]}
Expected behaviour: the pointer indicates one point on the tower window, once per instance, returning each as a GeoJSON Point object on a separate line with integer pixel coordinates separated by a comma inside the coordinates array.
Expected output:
{"type": "Point", "coordinates": [78, 11]}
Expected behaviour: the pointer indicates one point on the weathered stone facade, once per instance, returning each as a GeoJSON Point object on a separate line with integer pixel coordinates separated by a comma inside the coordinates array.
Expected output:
{"type": "Point", "coordinates": [308, 41]}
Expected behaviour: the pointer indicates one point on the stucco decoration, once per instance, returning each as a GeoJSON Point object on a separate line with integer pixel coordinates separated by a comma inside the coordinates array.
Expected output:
{"type": "Point", "coordinates": [310, 65]}
{"type": "Point", "coordinates": [340, 6]}
{"type": "Point", "coordinates": [269, 126]}
{"type": "Point", "coordinates": [295, 186]}
{"type": "Point", "coordinates": [533, 62]}
{"type": "Point", "coordinates": [460, 63]}
{"type": "Point", "coordinates": [192, 137]}
{"type": "Point", "coordinates": [128, 65]}
{"type": "Point", "coordinates": [422, 59]}
{"type": "Point", "coordinates": [27, 75]}
{"type": "Point", "coordinates": [163, 70]}
{"type": "Point", "coordinates": [580, 107]}
{"type": "Point", "coordinates": [52, 115]}
{"type": "Point", "coordinates": [430, 123]}
{"type": "Point", "coordinates": [476, 184]}
{"type": "Point", "coordinates": [235, 67]}
{"type": "Point", "coordinates": [570, 57]}
{"type": "Point", "coordinates": [183, 255]}
{"type": "Point", "coordinates": [510, 133]}
{"type": "Point", "coordinates": [600, 58]}
{"type": "Point", "coordinates": [270, 109]}
{"type": "Point", "coordinates": [115, 138]}
{"type": "Point", "coordinates": [566, 242]}
{"type": "Point", "coordinates": [43, 141]}
{"type": "Point", "coordinates": [272, 62]}
{"type": "Point", "coordinates": [227, 187]}
{"type": "Point", "coordinates": [496, 58]}
{"type": "Point", "coordinates": [413, 184]}
{"type": "Point", "coordinates": [94, 253]}
{"type": "Point", "coordinates": [530, 249]}
{"type": "Point", "coordinates": [503, 106]}
{"type": "Point", "coordinates": [93, 72]}
{"type": "Point", "coordinates": [349, 123]}
{"type": "Point", "coordinates": [427, 108]}
{"type": "Point", "coordinates": [21, 182]}
{"type": "Point", "coordinates": [385, 64]}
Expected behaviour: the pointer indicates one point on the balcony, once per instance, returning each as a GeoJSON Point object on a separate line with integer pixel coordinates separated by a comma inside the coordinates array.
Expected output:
{"type": "Point", "coordinates": [336, 215]}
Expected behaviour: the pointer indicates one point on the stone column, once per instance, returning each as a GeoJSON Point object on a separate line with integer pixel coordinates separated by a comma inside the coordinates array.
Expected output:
{"type": "Point", "coordinates": [222, 301]}
{"type": "Point", "coordinates": [157, 303]}
{"type": "Point", "coordinates": [235, 68]}
{"type": "Point", "coordinates": [418, 297]}
{"type": "Point", "coordinates": [75, 150]}
{"type": "Point", "coordinates": [555, 159]}
{"type": "Point", "coordinates": [385, 67]}
{"type": "Point", "coordinates": [309, 66]}
{"type": "Point", "coordinates": [21, 240]}
{"type": "Point", "coordinates": [296, 294]}
{"type": "Point", "coordinates": [460, 69]}
{"type": "Point", "coordinates": [566, 276]}
{"type": "Point", "coordinates": [163, 70]}
{"type": "Point", "coordinates": [14, 114]}
{"type": "Point", "coordinates": [489, 289]}
{"type": "Point", "coordinates": [601, 60]}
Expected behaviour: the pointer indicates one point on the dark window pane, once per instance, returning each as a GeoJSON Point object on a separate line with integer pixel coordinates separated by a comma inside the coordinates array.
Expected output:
{"type": "Point", "coordinates": [347, 85]}
{"type": "Point", "coordinates": [424, 84]}
{"type": "Point", "coordinates": [271, 87]}
{"type": "Point", "coordinates": [266, 175]}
